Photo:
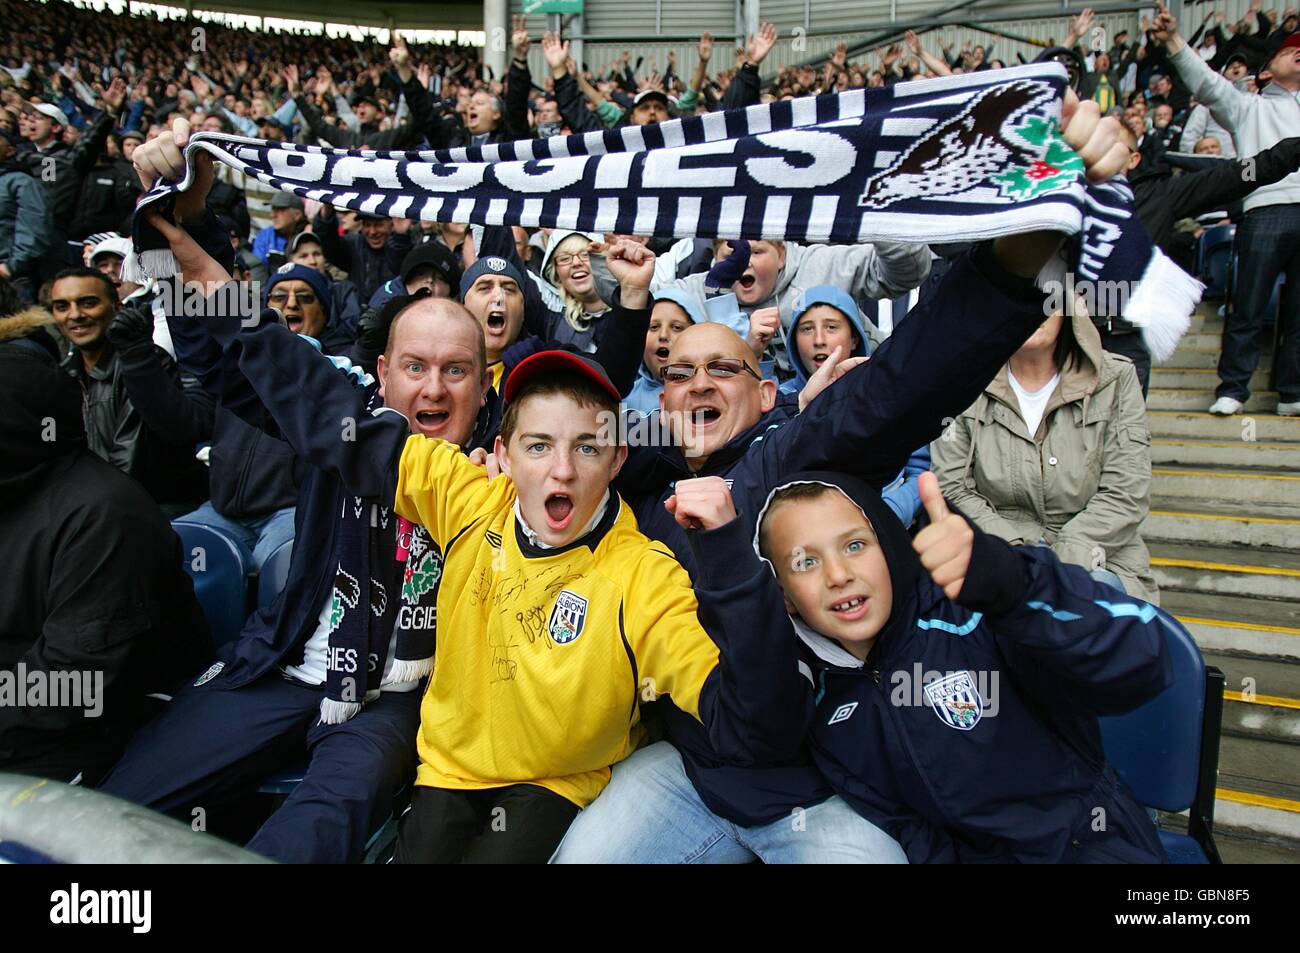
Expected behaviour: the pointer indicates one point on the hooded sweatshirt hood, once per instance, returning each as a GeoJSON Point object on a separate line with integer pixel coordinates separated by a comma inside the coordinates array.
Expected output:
{"type": "Point", "coordinates": [557, 238]}
{"type": "Point", "coordinates": [721, 309]}
{"type": "Point", "coordinates": [40, 406]}
{"type": "Point", "coordinates": [905, 570]}
{"type": "Point", "coordinates": [840, 301]}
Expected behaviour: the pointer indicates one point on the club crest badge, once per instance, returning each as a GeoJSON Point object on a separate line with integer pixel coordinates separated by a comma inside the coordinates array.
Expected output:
{"type": "Point", "coordinates": [956, 700]}
{"type": "Point", "coordinates": [496, 264]}
{"type": "Point", "coordinates": [213, 671]}
{"type": "Point", "coordinates": [567, 618]}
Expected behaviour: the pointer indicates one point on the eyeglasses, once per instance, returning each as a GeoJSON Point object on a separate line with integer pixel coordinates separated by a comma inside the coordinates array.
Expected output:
{"type": "Point", "coordinates": [721, 370]}
{"type": "Point", "coordinates": [280, 297]}
{"type": "Point", "coordinates": [564, 261]}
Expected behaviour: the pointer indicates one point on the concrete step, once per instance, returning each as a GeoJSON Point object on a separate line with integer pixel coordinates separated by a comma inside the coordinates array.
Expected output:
{"type": "Point", "coordinates": [1201, 341]}
{"type": "Point", "coordinates": [1247, 847]}
{"type": "Point", "coordinates": [1246, 572]}
{"type": "Point", "coordinates": [1197, 398]}
{"type": "Point", "coordinates": [1259, 786]}
{"type": "Point", "coordinates": [1201, 452]}
{"type": "Point", "coordinates": [1208, 336]}
{"type": "Point", "coordinates": [1244, 817]}
{"type": "Point", "coordinates": [1237, 625]}
{"type": "Point", "coordinates": [1201, 378]}
{"type": "Point", "coordinates": [1262, 699]}
{"type": "Point", "coordinates": [1227, 523]}
{"type": "Point", "coordinates": [1206, 324]}
{"type": "Point", "coordinates": [1204, 357]}
{"type": "Point", "coordinates": [1207, 426]}
{"type": "Point", "coordinates": [1222, 483]}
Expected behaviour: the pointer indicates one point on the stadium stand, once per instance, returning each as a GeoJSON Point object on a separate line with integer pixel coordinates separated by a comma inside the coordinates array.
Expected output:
{"type": "Point", "coordinates": [1215, 755]}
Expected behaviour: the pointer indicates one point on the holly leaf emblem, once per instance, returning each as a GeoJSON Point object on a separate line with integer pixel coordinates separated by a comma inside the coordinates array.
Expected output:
{"type": "Point", "coordinates": [420, 577]}
{"type": "Point", "coordinates": [1058, 167]}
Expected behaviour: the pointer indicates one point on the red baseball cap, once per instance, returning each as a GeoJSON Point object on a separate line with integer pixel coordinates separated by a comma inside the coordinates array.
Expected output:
{"type": "Point", "coordinates": [1291, 42]}
{"type": "Point", "coordinates": [547, 362]}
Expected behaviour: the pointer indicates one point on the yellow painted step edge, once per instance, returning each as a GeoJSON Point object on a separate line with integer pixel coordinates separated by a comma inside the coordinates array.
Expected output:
{"type": "Point", "coordinates": [1253, 626]}
{"type": "Point", "coordinates": [1268, 701]}
{"type": "Point", "coordinates": [1235, 475]}
{"type": "Point", "coordinates": [1258, 800]}
{"type": "Point", "coordinates": [1181, 442]}
{"type": "Point", "coordinates": [1223, 567]}
{"type": "Point", "coordinates": [1206, 413]}
{"type": "Point", "coordinates": [1227, 516]}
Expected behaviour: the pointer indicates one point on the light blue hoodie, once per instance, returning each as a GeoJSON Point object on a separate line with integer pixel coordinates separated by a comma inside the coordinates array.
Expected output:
{"type": "Point", "coordinates": [901, 495]}
{"type": "Point", "coordinates": [723, 309]}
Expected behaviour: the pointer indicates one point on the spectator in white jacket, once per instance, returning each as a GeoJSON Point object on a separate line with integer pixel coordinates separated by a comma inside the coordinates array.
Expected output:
{"type": "Point", "coordinates": [1268, 239]}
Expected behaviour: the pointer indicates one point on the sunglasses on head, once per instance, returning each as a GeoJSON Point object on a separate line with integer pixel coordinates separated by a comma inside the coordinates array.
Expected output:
{"type": "Point", "coordinates": [721, 370]}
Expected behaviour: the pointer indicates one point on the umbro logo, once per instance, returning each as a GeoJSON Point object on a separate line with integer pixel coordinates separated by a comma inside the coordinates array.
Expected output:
{"type": "Point", "coordinates": [842, 713]}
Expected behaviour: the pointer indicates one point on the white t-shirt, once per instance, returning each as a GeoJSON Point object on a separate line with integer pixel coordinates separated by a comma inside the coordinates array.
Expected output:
{"type": "Point", "coordinates": [1033, 403]}
{"type": "Point", "coordinates": [314, 667]}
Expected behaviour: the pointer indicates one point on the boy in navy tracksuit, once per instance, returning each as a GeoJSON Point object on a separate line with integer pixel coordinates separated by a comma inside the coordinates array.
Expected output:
{"type": "Point", "coordinates": [867, 423]}
{"type": "Point", "coordinates": [957, 681]}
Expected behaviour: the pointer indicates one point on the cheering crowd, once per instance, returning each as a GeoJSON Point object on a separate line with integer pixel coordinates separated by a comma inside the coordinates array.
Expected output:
{"type": "Point", "coordinates": [541, 641]}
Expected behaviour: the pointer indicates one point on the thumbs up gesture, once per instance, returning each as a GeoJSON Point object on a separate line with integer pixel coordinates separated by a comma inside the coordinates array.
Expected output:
{"type": "Point", "coordinates": [945, 545]}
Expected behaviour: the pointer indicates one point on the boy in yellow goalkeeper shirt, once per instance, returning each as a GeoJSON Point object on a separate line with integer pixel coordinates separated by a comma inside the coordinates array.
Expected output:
{"type": "Point", "coordinates": [557, 618]}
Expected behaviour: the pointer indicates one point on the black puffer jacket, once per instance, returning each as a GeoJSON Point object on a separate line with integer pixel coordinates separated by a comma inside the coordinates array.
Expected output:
{"type": "Point", "coordinates": [107, 199]}
{"type": "Point", "coordinates": [71, 165]}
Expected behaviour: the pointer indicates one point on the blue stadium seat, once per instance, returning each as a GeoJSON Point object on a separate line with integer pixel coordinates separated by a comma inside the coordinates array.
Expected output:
{"type": "Point", "coordinates": [220, 575]}
{"type": "Point", "coordinates": [1214, 259]}
{"type": "Point", "coordinates": [285, 780]}
{"type": "Point", "coordinates": [275, 571]}
{"type": "Point", "coordinates": [1167, 750]}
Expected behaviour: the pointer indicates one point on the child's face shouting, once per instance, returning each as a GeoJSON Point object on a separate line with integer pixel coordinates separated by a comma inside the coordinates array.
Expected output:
{"type": "Point", "coordinates": [820, 330]}
{"type": "Point", "coordinates": [831, 568]}
{"type": "Point", "coordinates": [667, 320]}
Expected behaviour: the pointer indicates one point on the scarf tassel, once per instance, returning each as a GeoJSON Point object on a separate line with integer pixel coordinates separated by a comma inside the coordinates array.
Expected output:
{"type": "Point", "coordinates": [149, 266]}
{"type": "Point", "coordinates": [336, 712]}
{"type": "Point", "coordinates": [411, 670]}
{"type": "Point", "coordinates": [1162, 305]}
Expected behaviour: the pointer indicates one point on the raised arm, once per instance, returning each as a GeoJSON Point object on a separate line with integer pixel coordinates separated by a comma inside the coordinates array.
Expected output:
{"type": "Point", "coordinates": [1054, 623]}
{"type": "Point", "coordinates": [1225, 101]}
{"type": "Point", "coordinates": [724, 653]}
{"type": "Point", "coordinates": [939, 360]}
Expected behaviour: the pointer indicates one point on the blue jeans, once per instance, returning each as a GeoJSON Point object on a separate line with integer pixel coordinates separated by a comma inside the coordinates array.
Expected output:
{"type": "Point", "coordinates": [651, 814]}
{"type": "Point", "coordinates": [1268, 244]}
{"type": "Point", "coordinates": [257, 539]}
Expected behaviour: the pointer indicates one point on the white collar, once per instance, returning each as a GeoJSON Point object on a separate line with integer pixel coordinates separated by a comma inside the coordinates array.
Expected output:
{"type": "Point", "coordinates": [828, 650]}
{"type": "Point", "coordinates": [536, 540]}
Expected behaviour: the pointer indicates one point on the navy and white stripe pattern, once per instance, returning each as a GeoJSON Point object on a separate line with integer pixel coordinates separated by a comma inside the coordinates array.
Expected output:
{"type": "Point", "coordinates": [912, 162]}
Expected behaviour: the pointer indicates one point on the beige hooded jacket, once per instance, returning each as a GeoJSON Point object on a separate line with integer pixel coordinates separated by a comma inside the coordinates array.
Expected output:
{"type": "Point", "coordinates": [1081, 484]}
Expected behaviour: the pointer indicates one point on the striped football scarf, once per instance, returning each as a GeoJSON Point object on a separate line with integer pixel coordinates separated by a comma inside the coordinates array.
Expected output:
{"type": "Point", "coordinates": [967, 157]}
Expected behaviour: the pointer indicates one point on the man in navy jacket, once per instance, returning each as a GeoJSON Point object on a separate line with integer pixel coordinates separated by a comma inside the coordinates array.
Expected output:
{"type": "Point", "coordinates": [867, 424]}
